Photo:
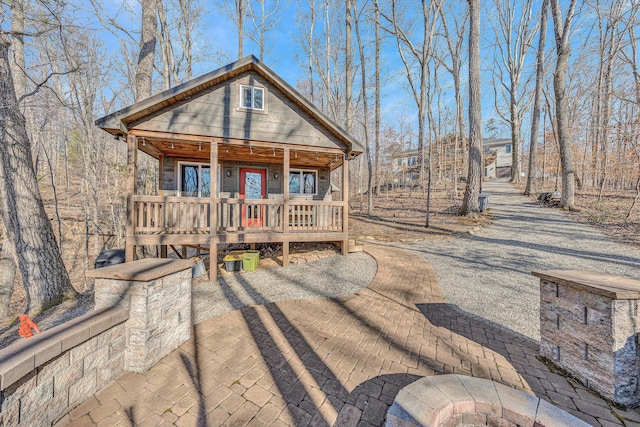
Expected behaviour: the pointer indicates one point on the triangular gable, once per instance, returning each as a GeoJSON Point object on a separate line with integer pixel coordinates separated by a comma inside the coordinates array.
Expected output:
{"type": "Point", "coordinates": [207, 105]}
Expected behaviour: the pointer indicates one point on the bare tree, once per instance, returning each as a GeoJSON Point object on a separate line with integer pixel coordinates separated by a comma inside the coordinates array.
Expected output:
{"type": "Point", "coordinates": [514, 32]}
{"type": "Point", "coordinates": [454, 39]}
{"type": "Point", "coordinates": [537, 101]}
{"type": "Point", "coordinates": [264, 19]}
{"type": "Point", "coordinates": [28, 227]}
{"type": "Point", "coordinates": [240, 12]}
{"type": "Point", "coordinates": [348, 120]}
{"type": "Point", "coordinates": [378, 43]}
{"type": "Point", "coordinates": [309, 40]}
{"type": "Point", "coordinates": [419, 52]}
{"type": "Point", "coordinates": [561, 30]}
{"type": "Point", "coordinates": [610, 42]}
{"type": "Point", "coordinates": [144, 70]}
{"type": "Point", "coordinates": [169, 69]}
{"type": "Point", "coordinates": [470, 201]}
{"type": "Point", "coordinates": [365, 112]}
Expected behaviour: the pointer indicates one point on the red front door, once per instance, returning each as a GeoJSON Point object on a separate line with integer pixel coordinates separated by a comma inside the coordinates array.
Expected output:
{"type": "Point", "coordinates": [253, 185]}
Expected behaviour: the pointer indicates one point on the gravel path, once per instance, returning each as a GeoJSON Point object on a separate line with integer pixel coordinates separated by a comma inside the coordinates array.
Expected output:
{"type": "Point", "coordinates": [488, 274]}
{"type": "Point", "coordinates": [329, 277]}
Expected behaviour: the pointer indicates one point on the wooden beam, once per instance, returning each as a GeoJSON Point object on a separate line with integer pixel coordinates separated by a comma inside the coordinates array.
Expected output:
{"type": "Point", "coordinates": [287, 198]}
{"type": "Point", "coordinates": [277, 145]}
{"type": "Point", "coordinates": [132, 187]}
{"type": "Point", "coordinates": [285, 254]}
{"type": "Point", "coordinates": [161, 176]}
{"type": "Point", "coordinates": [230, 141]}
{"type": "Point", "coordinates": [213, 217]}
{"type": "Point", "coordinates": [345, 199]}
{"type": "Point", "coordinates": [257, 237]}
{"type": "Point", "coordinates": [173, 248]}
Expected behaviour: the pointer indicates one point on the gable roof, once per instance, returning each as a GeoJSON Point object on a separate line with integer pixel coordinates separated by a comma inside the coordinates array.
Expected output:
{"type": "Point", "coordinates": [118, 123]}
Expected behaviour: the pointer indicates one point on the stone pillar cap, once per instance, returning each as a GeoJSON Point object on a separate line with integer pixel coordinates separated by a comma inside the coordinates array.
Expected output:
{"type": "Point", "coordinates": [143, 270]}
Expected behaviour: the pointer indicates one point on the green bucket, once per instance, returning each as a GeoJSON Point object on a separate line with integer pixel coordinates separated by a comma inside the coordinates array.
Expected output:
{"type": "Point", "coordinates": [250, 260]}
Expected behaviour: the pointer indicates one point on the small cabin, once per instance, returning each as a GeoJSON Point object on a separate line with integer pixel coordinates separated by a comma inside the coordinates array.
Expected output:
{"type": "Point", "coordinates": [243, 158]}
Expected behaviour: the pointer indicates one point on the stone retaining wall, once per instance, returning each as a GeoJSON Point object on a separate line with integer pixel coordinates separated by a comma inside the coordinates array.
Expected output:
{"type": "Point", "coordinates": [142, 313]}
{"type": "Point", "coordinates": [43, 376]}
{"type": "Point", "coordinates": [589, 326]}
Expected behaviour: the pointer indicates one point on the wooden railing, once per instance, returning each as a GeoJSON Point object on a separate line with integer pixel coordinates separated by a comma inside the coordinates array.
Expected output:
{"type": "Point", "coordinates": [315, 215]}
{"type": "Point", "coordinates": [159, 214]}
{"type": "Point", "coordinates": [171, 215]}
{"type": "Point", "coordinates": [250, 215]}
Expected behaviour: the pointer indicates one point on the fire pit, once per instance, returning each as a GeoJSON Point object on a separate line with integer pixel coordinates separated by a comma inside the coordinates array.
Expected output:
{"type": "Point", "coordinates": [458, 400]}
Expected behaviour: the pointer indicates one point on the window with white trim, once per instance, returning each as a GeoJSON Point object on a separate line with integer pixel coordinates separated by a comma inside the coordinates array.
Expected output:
{"type": "Point", "coordinates": [251, 97]}
{"type": "Point", "coordinates": [303, 182]}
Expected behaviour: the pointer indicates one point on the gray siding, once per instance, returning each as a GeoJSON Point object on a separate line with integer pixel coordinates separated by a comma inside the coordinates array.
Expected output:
{"type": "Point", "coordinates": [169, 176]}
{"type": "Point", "coordinates": [216, 113]}
{"type": "Point", "coordinates": [230, 184]}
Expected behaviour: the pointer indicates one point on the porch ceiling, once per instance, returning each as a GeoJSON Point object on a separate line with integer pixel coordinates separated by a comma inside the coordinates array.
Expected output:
{"type": "Point", "coordinates": [230, 152]}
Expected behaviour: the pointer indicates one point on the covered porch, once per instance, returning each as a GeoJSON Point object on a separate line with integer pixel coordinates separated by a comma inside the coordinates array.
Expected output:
{"type": "Point", "coordinates": [266, 202]}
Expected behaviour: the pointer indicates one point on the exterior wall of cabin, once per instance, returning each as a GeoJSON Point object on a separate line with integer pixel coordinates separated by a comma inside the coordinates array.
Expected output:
{"type": "Point", "coordinates": [231, 184]}
{"type": "Point", "coordinates": [168, 184]}
{"type": "Point", "coordinates": [216, 113]}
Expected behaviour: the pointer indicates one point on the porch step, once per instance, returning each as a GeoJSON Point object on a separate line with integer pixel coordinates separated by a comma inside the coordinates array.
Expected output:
{"type": "Point", "coordinates": [354, 247]}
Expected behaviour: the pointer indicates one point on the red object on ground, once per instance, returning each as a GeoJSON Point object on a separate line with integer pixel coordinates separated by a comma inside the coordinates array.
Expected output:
{"type": "Point", "coordinates": [27, 326]}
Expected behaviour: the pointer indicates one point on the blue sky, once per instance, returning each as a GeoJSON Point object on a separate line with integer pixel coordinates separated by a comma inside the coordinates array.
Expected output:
{"type": "Point", "coordinates": [285, 56]}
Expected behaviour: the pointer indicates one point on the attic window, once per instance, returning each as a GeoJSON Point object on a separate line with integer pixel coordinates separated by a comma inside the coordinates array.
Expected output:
{"type": "Point", "coordinates": [252, 97]}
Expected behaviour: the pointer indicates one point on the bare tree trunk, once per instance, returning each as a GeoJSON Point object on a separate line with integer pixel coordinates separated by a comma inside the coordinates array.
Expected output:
{"type": "Point", "coordinates": [7, 279]}
{"type": "Point", "coordinates": [144, 71]}
{"type": "Point", "coordinates": [515, 139]}
{"type": "Point", "coordinates": [17, 50]}
{"type": "Point", "coordinates": [562, 30]}
{"type": "Point", "coordinates": [166, 48]}
{"type": "Point", "coordinates": [28, 227]}
{"type": "Point", "coordinates": [312, 7]}
{"type": "Point", "coordinates": [377, 101]}
{"type": "Point", "coordinates": [7, 272]}
{"type": "Point", "coordinates": [470, 201]}
{"type": "Point", "coordinates": [365, 106]}
{"type": "Point", "coordinates": [8, 257]}
{"type": "Point", "coordinates": [348, 67]}
{"type": "Point", "coordinates": [535, 116]}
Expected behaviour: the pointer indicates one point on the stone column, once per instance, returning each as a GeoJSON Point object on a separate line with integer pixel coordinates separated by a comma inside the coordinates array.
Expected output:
{"type": "Point", "coordinates": [157, 293]}
{"type": "Point", "coordinates": [589, 326]}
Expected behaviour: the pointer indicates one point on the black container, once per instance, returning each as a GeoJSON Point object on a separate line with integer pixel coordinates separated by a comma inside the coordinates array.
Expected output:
{"type": "Point", "coordinates": [233, 265]}
{"type": "Point", "coordinates": [109, 257]}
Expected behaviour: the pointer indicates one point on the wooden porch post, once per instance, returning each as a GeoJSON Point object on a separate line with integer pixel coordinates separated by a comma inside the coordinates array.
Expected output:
{"type": "Point", "coordinates": [132, 186]}
{"type": "Point", "coordinates": [345, 199]}
{"type": "Point", "coordinates": [285, 216]}
{"type": "Point", "coordinates": [163, 248]}
{"type": "Point", "coordinates": [213, 217]}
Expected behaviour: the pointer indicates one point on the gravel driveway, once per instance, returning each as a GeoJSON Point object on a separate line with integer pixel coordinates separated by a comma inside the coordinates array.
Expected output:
{"type": "Point", "coordinates": [489, 273]}
{"type": "Point", "coordinates": [330, 277]}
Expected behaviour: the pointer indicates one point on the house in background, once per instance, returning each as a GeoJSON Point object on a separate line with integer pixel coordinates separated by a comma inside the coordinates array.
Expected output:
{"type": "Point", "coordinates": [405, 167]}
{"type": "Point", "coordinates": [497, 157]}
{"type": "Point", "coordinates": [243, 157]}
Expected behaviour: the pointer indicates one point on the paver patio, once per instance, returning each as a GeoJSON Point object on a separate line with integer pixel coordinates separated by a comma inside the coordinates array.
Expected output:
{"type": "Point", "coordinates": [332, 361]}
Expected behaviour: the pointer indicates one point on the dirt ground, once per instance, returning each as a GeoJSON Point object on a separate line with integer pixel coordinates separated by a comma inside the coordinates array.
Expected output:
{"type": "Point", "coordinates": [401, 217]}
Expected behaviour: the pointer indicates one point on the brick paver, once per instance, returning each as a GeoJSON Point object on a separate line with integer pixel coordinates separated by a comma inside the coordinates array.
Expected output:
{"type": "Point", "coordinates": [333, 361]}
